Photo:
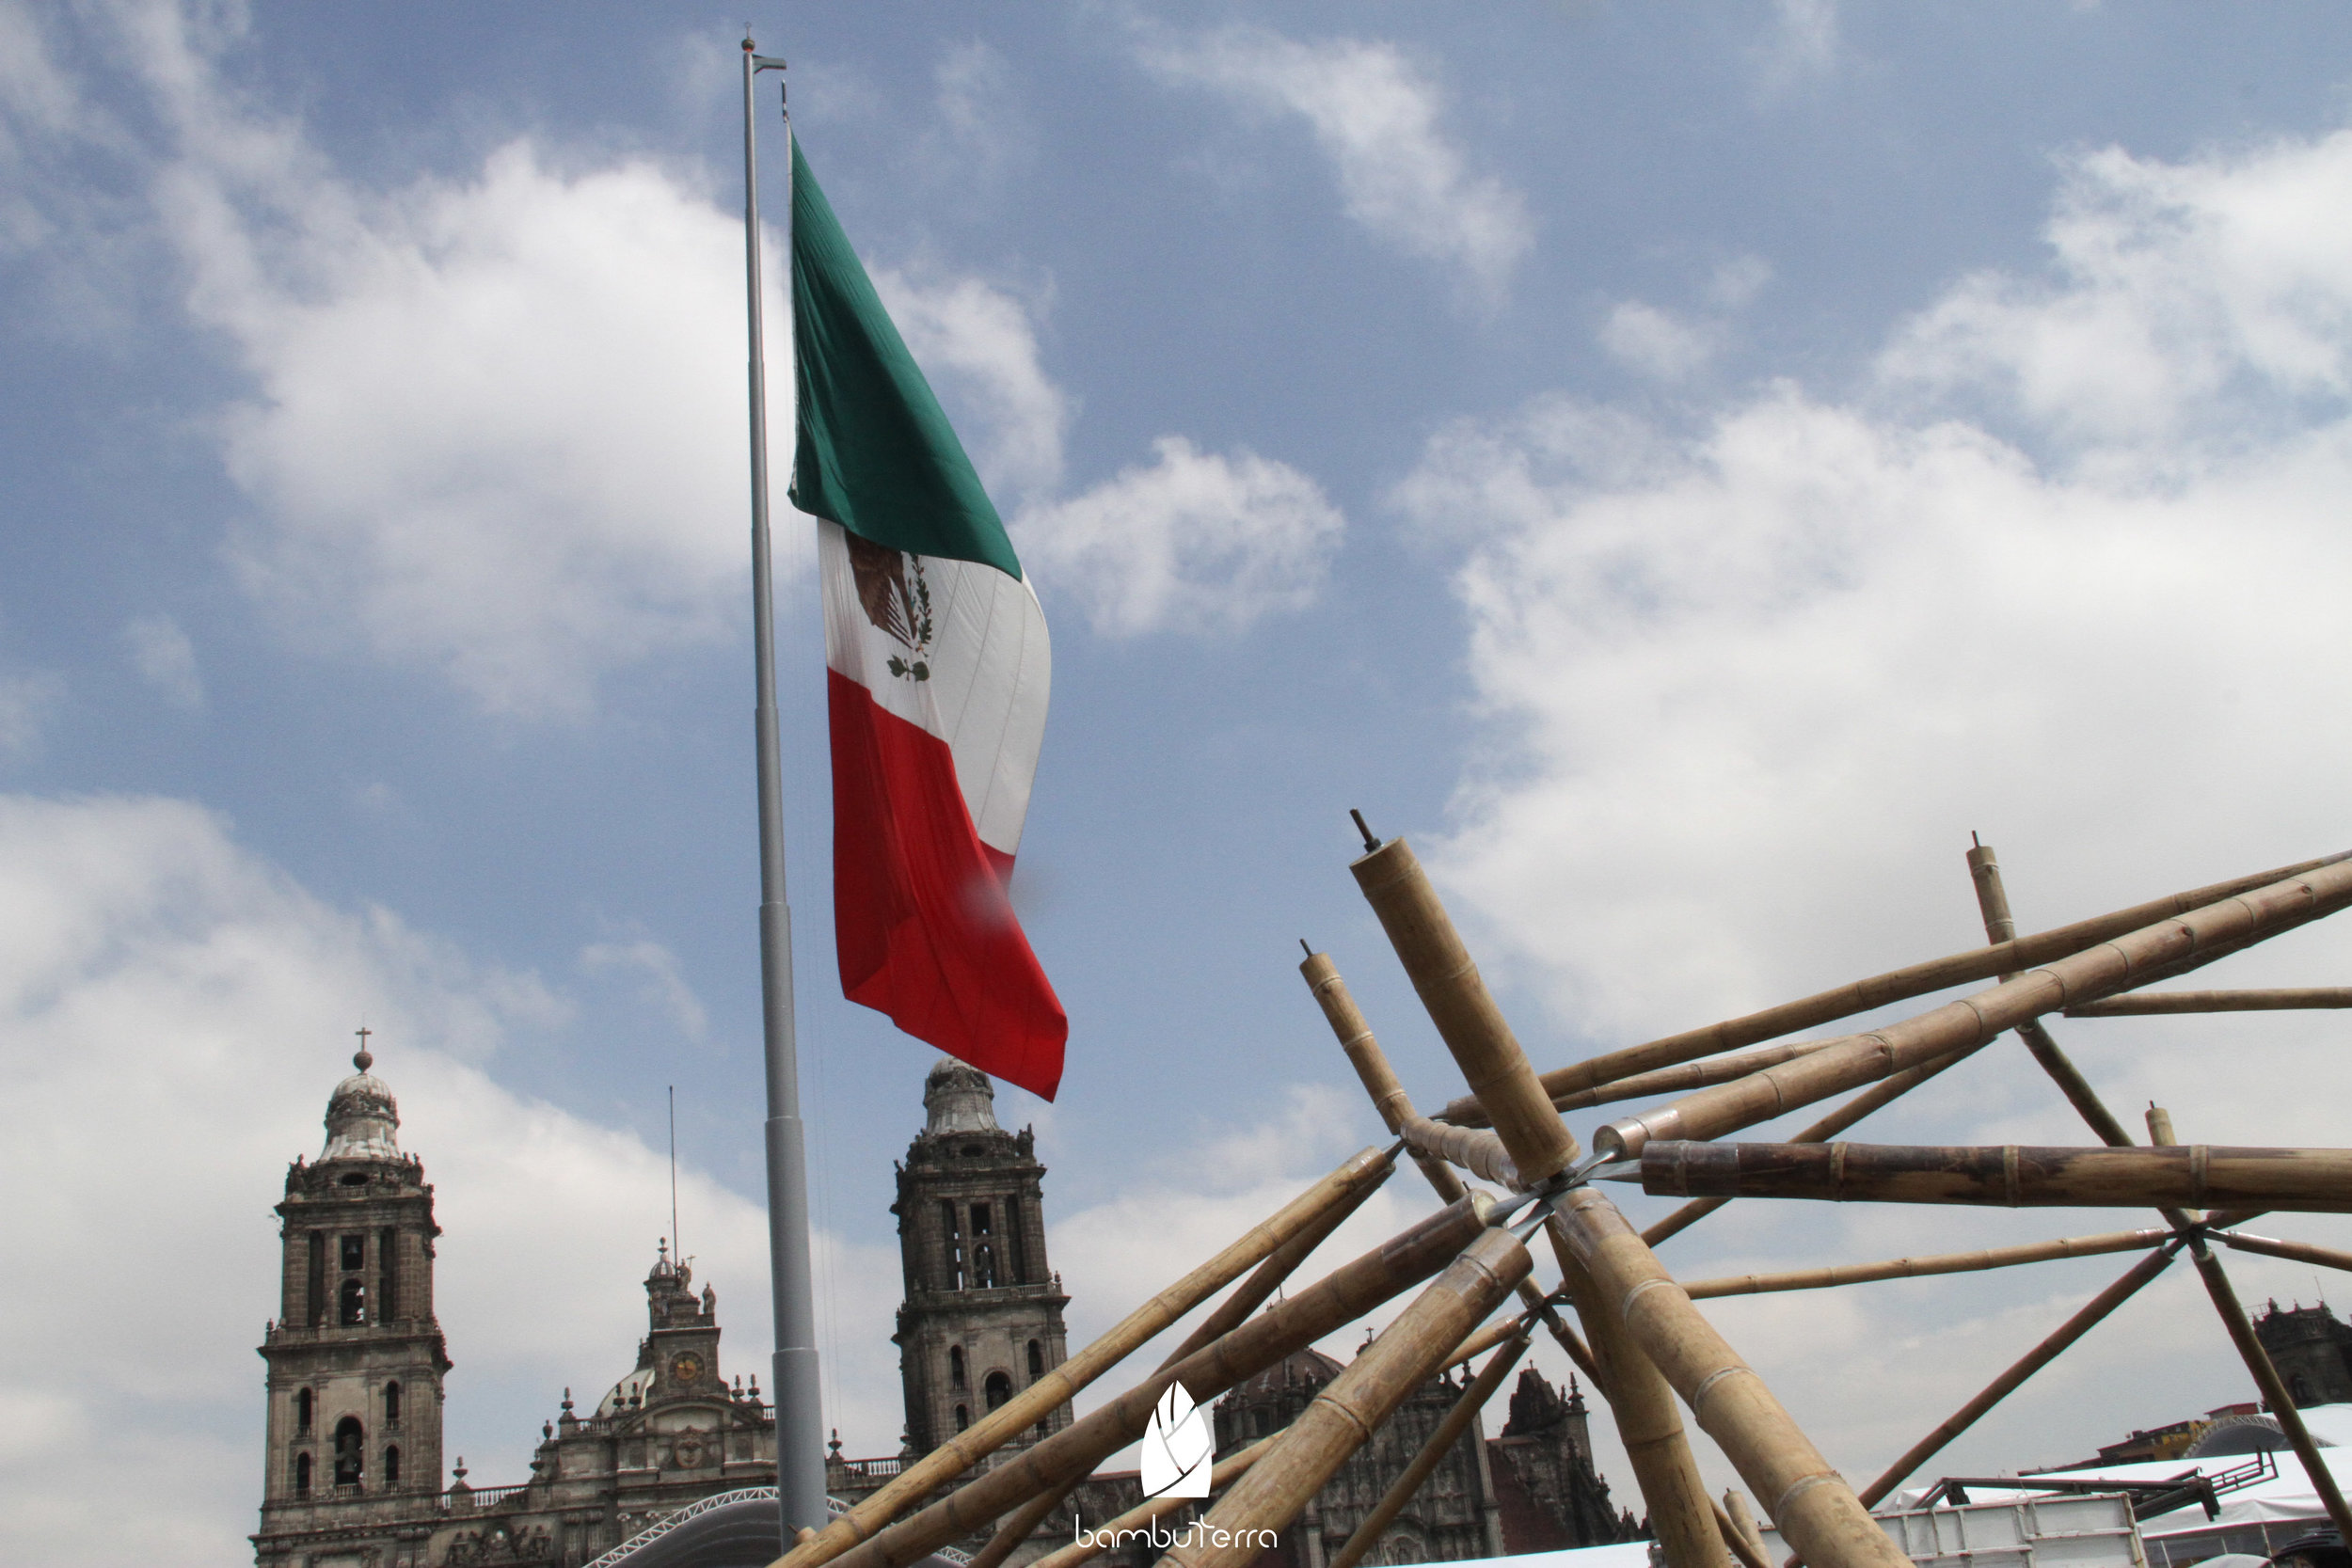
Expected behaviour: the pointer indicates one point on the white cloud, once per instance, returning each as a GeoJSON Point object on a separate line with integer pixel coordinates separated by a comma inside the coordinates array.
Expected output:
{"type": "Point", "coordinates": [173, 1012]}
{"type": "Point", "coordinates": [1196, 542]}
{"type": "Point", "coordinates": [165, 658]}
{"type": "Point", "coordinates": [1374, 113]}
{"type": "Point", "coordinates": [1749, 691]}
{"type": "Point", "coordinates": [1656, 343]}
{"type": "Point", "coordinates": [1802, 47]}
{"type": "Point", "coordinates": [26, 702]}
{"type": "Point", "coordinates": [660, 981]}
{"type": "Point", "coordinates": [977, 341]}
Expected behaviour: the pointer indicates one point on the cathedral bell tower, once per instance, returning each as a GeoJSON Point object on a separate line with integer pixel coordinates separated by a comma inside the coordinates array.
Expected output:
{"type": "Point", "coordinates": [356, 1356]}
{"type": "Point", "coordinates": [982, 1316]}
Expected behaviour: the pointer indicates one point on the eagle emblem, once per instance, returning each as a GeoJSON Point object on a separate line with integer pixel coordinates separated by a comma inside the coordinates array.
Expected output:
{"type": "Point", "coordinates": [892, 591]}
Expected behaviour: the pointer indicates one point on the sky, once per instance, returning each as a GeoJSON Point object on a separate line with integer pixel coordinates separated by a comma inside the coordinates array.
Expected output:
{"type": "Point", "coordinates": [1685, 469]}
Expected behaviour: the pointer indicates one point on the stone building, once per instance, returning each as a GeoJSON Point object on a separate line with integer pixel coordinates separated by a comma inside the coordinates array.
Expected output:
{"type": "Point", "coordinates": [351, 1443]}
{"type": "Point", "coordinates": [353, 1458]}
{"type": "Point", "coordinates": [2313, 1350]}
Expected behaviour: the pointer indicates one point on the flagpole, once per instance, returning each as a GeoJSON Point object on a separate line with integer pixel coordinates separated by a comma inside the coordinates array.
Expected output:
{"type": "Point", "coordinates": [800, 1420]}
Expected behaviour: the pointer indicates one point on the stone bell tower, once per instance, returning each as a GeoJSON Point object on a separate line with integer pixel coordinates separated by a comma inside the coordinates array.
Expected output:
{"type": "Point", "coordinates": [356, 1356]}
{"type": "Point", "coordinates": [982, 1316]}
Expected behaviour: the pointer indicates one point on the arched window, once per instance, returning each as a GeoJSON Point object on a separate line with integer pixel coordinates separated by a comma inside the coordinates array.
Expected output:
{"type": "Point", "coordinates": [392, 1467]}
{"type": "Point", "coordinates": [391, 1404]}
{"type": "Point", "coordinates": [355, 1252]}
{"type": "Point", "coordinates": [353, 1304]}
{"type": "Point", "coordinates": [998, 1390]}
{"type": "Point", "coordinates": [963, 1417]}
{"type": "Point", "coordinates": [302, 1475]}
{"type": "Point", "coordinates": [349, 1442]}
{"type": "Point", "coordinates": [1037, 1359]}
{"type": "Point", "coordinates": [302, 1411]}
{"type": "Point", "coordinates": [955, 1366]}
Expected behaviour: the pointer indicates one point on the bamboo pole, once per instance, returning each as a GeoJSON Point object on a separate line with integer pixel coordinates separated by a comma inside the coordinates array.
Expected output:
{"type": "Point", "coordinates": [1457, 1419]}
{"type": "Point", "coordinates": [2274, 1388]}
{"type": "Point", "coordinates": [1816, 1511]}
{"type": "Point", "coordinates": [1649, 1423]}
{"type": "Point", "coordinates": [1876, 1098]}
{"type": "Point", "coordinates": [1742, 1514]}
{"type": "Point", "coordinates": [1224, 1473]}
{"type": "Point", "coordinates": [2197, 1175]}
{"type": "Point", "coordinates": [2031, 1362]}
{"type": "Point", "coordinates": [1914, 1268]}
{"type": "Point", "coordinates": [1397, 1110]}
{"type": "Point", "coordinates": [1231, 1314]}
{"type": "Point", "coordinates": [1016, 1415]}
{"type": "Point", "coordinates": [1960, 1027]}
{"type": "Point", "coordinates": [2297, 1252]}
{"type": "Point", "coordinates": [1541, 1146]}
{"type": "Point", "coordinates": [2143, 1002]}
{"type": "Point", "coordinates": [1296, 1321]}
{"type": "Point", "coordinates": [1680, 1079]}
{"type": "Point", "coordinates": [1899, 985]}
{"type": "Point", "coordinates": [1349, 1408]}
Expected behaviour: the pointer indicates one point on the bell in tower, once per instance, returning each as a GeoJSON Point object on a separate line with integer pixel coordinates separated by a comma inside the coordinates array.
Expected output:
{"type": "Point", "coordinates": [983, 1313]}
{"type": "Point", "coordinates": [356, 1356]}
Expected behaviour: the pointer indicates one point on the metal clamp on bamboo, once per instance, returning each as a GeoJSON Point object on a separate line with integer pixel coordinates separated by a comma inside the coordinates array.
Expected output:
{"type": "Point", "coordinates": [1334, 1301]}
{"type": "Point", "coordinates": [2196, 1175]}
{"type": "Point", "coordinates": [1899, 985]}
{"type": "Point", "coordinates": [1344, 1415]}
{"type": "Point", "coordinates": [1959, 1027]}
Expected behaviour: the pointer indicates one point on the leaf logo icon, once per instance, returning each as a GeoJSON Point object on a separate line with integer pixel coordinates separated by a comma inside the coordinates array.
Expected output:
{"type": "Point", "coordinates": [1176, 1448]}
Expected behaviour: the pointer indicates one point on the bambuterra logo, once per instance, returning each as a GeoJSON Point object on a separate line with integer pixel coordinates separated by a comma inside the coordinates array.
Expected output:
{"type": "Point", "coordinates": [1176, 1448]}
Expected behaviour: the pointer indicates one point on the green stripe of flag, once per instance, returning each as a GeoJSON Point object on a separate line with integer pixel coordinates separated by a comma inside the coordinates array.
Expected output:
{"type": "Point", "coordinates": [874, 452]}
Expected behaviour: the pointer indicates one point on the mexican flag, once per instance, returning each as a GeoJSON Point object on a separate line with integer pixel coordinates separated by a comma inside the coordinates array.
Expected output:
{"type": "Point", "coordinates": [937, 672]}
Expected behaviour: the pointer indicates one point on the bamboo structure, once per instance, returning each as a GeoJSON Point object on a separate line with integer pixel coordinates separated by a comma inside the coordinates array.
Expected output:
{"type": "Point", "coordinates": [1457, 1420]}
{"type": "Point", "coordinates": [1959, 1027]}
{"type": "Point", "coordinates": [1652, 1353]}
{"type": "Point", "coordinates": [1915, 1268]}
{"type": "Point", "coordinates": [1049, 1392]}
{"type": "Point", "coordinates": [1291, 1324]}
{"type": "Point", "coordinates": [2142, 1002]}
{"type": "Point", "coordinates": [1900, 985]}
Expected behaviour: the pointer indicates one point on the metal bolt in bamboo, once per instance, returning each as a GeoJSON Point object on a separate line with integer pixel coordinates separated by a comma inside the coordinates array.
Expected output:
{"type": "Point", "coordinates": [2142, 1002]}
{"type": "Point", "coordinates": [1061, 1384]}
{"type": "Point", "coordinates": [1899, 985]}
{"type": "Point", "coordinates": [1337, 1299]}
{"type": "Point", "coordinates": [2031, 1362]}
{"type": "Point", "coordinates": [1395, 1108]}
{"type": "Point", "coordinates": [1816, 1511]}
{"type": "Point", "coordinates": [2273, 1386]}
{"type": "Point", "coordinates": [1915, 1268]}
{"type": "Point", "coordinates": [1456, 1421]}
{"type": "Point", "coordinates": [1224, 1473]}
{"type": "Point", "coordinates": [1540, 1144]}
{"type": "Point", "coordinates": [1962, 1026]}
{"type": "Point", "coordinates": [2270, 1246]}
{"type": "Point", "coordinates": [1351, 1406]}
{"type": "Point", "coordinates": [2014, 1176]}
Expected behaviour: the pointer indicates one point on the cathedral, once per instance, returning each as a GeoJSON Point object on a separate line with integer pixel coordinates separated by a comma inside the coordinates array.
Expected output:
{"type": "Point", "coordinates": [354, 1474]}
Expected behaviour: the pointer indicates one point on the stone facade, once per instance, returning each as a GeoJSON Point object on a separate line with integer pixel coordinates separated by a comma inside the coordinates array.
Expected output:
{"type": "Point", "coordinates": [2313, 1350]}
{"type": "Point", "coordinates": [353, 1435]}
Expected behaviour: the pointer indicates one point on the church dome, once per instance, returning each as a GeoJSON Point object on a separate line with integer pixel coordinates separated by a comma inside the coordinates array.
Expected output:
{"type": "Point", "coordinates": [362, 1116]}
{"type": "Point", "coordinates": [958, 1098]}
